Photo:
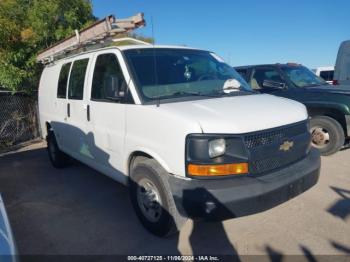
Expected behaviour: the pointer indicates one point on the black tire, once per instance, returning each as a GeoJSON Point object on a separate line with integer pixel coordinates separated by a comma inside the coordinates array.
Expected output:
{"type": "Point", "coordinates": [168, 221]}
{"type": "Point", "coordinates": [327, 135]}
{"type": "Point", "coordinates": [58, 158]}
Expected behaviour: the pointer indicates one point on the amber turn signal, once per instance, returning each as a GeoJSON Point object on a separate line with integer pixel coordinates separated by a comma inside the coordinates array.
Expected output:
{"type": "Point", "coordinates": [217, 170]}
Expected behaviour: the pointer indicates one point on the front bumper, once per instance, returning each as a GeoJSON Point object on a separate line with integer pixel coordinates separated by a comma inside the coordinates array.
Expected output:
{"type": "Point", "coordinates": [220, 199]}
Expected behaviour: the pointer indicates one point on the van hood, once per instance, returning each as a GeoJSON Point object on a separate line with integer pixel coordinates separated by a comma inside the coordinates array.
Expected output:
{"type": "Point", "coordinates": [240, 114]}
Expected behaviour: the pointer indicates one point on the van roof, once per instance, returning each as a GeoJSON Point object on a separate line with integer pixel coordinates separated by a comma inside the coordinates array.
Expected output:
{"type": "Point", "coordinates": [321, 68]}
{"type": "Point", "coordinates": [126, 47]}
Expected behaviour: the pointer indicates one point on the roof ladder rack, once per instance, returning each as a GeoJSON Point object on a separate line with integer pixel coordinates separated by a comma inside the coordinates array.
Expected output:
{"type": "Point", "coordinates": [98, 34]}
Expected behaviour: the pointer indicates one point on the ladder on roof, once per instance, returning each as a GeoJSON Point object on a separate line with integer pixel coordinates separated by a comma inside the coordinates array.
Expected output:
{"type": "Point", "coordinates": [98, 34]}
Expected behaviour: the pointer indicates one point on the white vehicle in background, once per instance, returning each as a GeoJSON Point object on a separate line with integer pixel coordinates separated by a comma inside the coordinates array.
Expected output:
{"type": "Point", "coordinates": [342, 66]}
{"type": "Point", "coordinates": [178, 126]}
{"type": "Point", "coordinates": [326, 73]}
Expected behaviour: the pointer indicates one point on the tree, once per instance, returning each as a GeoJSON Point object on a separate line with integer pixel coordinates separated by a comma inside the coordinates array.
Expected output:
{"type": "Point", "coordinates": [28, 26]}
{"type": "Point", "coordinates": [146, 39]}
{"type": "Point", "coordinates": [143, 38]}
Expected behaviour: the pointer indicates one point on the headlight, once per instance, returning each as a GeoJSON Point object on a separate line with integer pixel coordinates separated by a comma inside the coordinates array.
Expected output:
{"type": "Point", "coordinates": [217, 147]}
{"type": "Point", "coordinates": [213, 155]}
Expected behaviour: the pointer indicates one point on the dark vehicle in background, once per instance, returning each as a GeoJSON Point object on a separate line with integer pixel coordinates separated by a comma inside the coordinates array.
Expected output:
{"type": "Point", "coordinates": [328, 106]}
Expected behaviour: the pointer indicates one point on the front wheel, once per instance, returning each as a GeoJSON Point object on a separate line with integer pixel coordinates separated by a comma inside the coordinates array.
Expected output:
{"type": "Point", "coordinates": [327, 134]}
{"type": "Point", "coordinates": [152, 199]}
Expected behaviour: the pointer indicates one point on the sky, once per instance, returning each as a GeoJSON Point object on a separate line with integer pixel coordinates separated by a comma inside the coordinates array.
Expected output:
{"type": "Point", "coordinates": [244, 32]}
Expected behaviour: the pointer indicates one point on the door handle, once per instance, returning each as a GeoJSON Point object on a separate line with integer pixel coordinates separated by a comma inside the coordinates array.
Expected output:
{"type": "Point", "coordinates": [68, 109]}
{"type": "Point", "coordinates": [88, 112]}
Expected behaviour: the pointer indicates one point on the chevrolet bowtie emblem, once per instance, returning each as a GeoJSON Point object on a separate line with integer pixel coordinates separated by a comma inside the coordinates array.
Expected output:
{"type": "Point", "coordinates": [286, 146]}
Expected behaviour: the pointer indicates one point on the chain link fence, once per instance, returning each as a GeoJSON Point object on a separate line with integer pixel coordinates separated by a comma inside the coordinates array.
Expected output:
{"type": "Point", "coordinates": [18, 118]}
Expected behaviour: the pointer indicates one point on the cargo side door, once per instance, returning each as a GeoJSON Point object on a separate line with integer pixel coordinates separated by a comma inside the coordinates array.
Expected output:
{"type": "Point", "coordinates": [76, 124]}
{"type": "Point", "coordinates": [59, 117]}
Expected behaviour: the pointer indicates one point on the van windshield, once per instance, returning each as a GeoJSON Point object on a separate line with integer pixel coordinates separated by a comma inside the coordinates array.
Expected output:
{"type": "Point", "coordinates": [301, 76]}
{"type": "Point", "coordinates": [165, 73]}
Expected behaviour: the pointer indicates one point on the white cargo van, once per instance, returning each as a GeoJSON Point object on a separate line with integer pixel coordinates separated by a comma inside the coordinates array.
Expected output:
{"type": "Point", "coordinates": [181, 128]}
{"type": "Point", "coordinates": [326, 73]}
{"type": "Point", "coordinates": [342, 66]}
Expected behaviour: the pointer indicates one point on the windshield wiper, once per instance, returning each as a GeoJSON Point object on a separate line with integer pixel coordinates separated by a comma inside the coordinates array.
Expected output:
{"type": "Point", "coordinates": [184, 93]}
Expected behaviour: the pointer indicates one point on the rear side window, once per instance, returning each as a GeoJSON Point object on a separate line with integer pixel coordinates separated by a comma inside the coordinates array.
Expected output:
{"type": "Point", "coordinates": [106, 66]}
{"type": "Point", "coordinates": [327, 75]}
{"type": "Point", "coordinates": [77, 79]}
{"type": "Point", "coordinates": [62, 81]}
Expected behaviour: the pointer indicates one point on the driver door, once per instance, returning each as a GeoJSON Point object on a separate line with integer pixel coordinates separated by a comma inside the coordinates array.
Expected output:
{"type": "Point", "coordinates": [106, 114]}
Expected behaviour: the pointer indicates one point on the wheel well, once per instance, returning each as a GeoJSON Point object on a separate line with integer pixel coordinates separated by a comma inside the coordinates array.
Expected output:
{"type": "Point", "coordinates": [136, 157]}
{"type": "Point", "coordinates": [48, 128]}
{"type": "Point", "coordinates": [333, 113]}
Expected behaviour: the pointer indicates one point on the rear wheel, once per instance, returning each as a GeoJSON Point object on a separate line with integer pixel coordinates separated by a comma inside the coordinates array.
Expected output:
{"type": "Point", "coordinates": [152, 199]}
{"type": "Point", "coordinates": [58, 158]}
{"type": "Point", "coordinates": [327, 135]}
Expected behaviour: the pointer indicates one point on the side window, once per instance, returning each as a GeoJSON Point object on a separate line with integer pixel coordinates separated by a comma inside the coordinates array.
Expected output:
{"type": "Point", "coordinates": [260, 75]}
{"type": "Point", "coordinates": [327, 75]}
{"type": "Point", "coordinates": [243, 73]}
{"type": "Point", "coordinates": [107, 67]}
{"type": "Point", "coordinates": [62, 81]}
{"type": "Point", "coordinates": [77, 79]}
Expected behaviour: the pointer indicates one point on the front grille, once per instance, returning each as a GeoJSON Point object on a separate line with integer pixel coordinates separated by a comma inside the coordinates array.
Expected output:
{"type": "Point", "coordinates": [273, 163]}
{"type": "Point", "coordinates": [264, 147]}
{"type": "Point", "coordinates": [269, 137]}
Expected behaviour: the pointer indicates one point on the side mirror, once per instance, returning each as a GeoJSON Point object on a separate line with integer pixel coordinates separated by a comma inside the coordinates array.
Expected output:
{"type": "Point", "coordinates": [274, 84]}
{"type": "Point", "coordinates": [113, 88]}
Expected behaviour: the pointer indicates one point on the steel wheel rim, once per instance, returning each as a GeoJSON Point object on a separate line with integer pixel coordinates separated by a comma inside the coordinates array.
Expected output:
{"type": "Point", "coordinates": [320, 137]}
{"type": "Point", "coordinates": [149, 200]}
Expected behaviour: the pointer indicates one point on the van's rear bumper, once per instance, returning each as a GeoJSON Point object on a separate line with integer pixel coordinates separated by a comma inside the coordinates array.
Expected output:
{"type": "Point", "coordinates": [240, 196]}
